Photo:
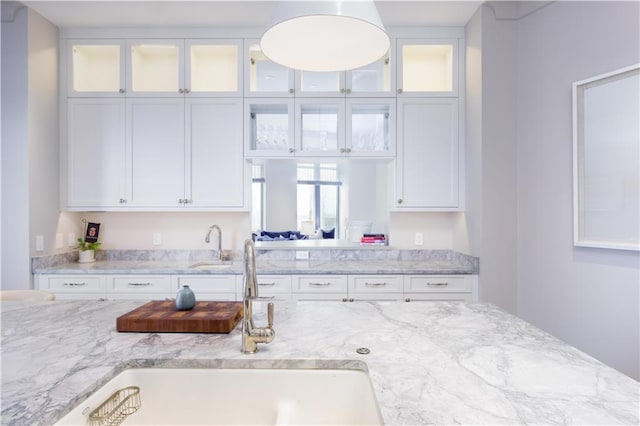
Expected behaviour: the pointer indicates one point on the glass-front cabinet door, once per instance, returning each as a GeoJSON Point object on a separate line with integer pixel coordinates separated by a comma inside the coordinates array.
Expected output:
{"type": "Point", "coordinates": [376, 79]}
{"type": "Point", "coordinates": [263, 77]}
{"type": "Point", "coordinates": [370, 127]}
{"type": "Point", "coordinates": [268, 128]}
{"type": "Point", "coordinates": [427, 67]}
{"type": "Point", "coordinates": [96, 68]}
{"type": "Point", "coordinates": [155, 68]}
{"type": "Point", "coordinates": [320, 127]}
{"type": "Point", "coordinates": [213, 68]}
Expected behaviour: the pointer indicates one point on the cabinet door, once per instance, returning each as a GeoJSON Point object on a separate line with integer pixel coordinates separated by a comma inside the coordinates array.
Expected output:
{"type": "Point", "coordinates": [320, 129]}
{"type": "Point", "coordinates": [428, 154]}
{"type": "Point", "coordinates": [95, 68]}
{"type": "Point", "coordinates": [427, 67]}
{"type": "Point", "coordinates": [155, 136]}
{"type": "Point", "coordinates": [155, 68]}
{"type": "Point", "coordinates": [376, 79]}
{"type": "Point", "coordinates": [215, 164]}
{"type": "Point", "coordinates": [268, 128]}
{"type": "Point", "coordinates": [211, 287]}
{"type": "Point", "coordinates": [320, 84]}
{"type": "Point", "coordinates": [96, 151]}
{"type": "Point", "coordinates": [371, 127]}
{"type": "Point", "coordinates": [213, 68]}
{"type": "Point", "coordinates": [263, 78]}
{"type": "Point", "coordinates": [73, 287]}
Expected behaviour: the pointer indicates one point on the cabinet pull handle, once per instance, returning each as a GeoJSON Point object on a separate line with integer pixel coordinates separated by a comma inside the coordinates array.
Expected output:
{"type": "Point", "coordinates": [344, 299]}
{"type": "Point", "coordinates": [74, 284]}
{"type": "Point", "coordinates": [375, 284]}
{"type": "Point", "coordinates": [437, 284]}
{"type": "Point", "coordinates": [122, 201]}
{"type": "Point", "coordinates": [351, 299]}
{"type": "Point", "coordinates": [140, 284]}
{"type": "Point", "coordinates": [267, 284]}
{"type": "Point", "coordinates": [320, 284]}
{"type": "Point", "coordinates": [407, 300]}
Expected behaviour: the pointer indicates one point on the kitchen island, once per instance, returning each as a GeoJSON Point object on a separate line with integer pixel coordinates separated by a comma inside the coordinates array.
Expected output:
{"type": "Point", "coordinates": [430, 363]}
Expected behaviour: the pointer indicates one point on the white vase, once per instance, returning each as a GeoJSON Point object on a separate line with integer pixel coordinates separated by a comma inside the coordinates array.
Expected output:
{"type": "Point", "coordinates": [87, 256]}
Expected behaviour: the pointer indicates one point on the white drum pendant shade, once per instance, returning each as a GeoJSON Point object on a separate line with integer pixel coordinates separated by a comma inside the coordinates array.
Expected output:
{"type": "Point", "coordinates": [325, 35]}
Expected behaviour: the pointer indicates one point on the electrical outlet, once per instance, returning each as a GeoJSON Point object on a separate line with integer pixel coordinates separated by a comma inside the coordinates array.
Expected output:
{"type": "Point", "coordinates": [419, 239]}
{"type": "Point", "coordinates": [59, 240]}
{"type": "Point", "coordinates": [302, 255]}
{"type": "Point", "coordinates": [157, 238]}
{"type": "Point", "coordinates": [71, 239]}
{"type": "Point", "coordinates": [39, 243]}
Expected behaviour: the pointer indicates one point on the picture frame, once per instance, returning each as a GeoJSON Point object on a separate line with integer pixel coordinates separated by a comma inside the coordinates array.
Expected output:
{"type": "Point", "coordinates": [606, 160]}
{"type": "Point", "coordinates": [92, 233]}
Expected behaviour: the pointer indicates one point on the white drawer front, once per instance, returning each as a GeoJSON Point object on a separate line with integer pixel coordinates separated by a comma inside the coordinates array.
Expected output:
{"type": "Point", "coordinates": [208, 284]}
{"type": "Point", "coordinates": [141, 284]}
{"type": "Point", "coordinates": [375, 284]}
{"type": "Point", "coordinates": [320, 284]}
{"type": "Point", "coordinates": [437, 284]}
{"type": "Point", "coordinates": [75, 284]}
{"type": "Point", "coordinates": [273, 284]}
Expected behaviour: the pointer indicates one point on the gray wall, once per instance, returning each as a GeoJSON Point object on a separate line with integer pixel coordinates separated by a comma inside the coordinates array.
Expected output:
{"type": "Point", "coordinates": [587, 297]}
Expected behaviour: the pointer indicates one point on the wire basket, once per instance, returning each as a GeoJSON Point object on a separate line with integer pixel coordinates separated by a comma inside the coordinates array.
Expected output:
{"type": "Point", "coordinates": [120, 405]}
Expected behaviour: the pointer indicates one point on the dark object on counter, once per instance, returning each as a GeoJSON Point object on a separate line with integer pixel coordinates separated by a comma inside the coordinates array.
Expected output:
{"type": "Point", "coordinates": [160, 316]}
{"type": "Point", "coordinates": [185, 299]}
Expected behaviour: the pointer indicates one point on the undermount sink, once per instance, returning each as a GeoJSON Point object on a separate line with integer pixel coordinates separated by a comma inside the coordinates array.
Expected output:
{"type": "Point", "coordinates": [210, 265]}
{"type": "Point", "coordinates": [216, 396]}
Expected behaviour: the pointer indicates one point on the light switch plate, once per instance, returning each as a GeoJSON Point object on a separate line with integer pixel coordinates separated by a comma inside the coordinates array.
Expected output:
{"type": "Point", "coordinates": [59, 240]}
{"type": "Point", "coordinates": [419, 239]}
{"type": "Point", "coordinates": [71, 239]}
{"type": "Point", "coordinates": [157, 238]}
{"type": "Point", "coordinates": [39, 243]}
{"type": "Point", "coordinates": [302, 255]}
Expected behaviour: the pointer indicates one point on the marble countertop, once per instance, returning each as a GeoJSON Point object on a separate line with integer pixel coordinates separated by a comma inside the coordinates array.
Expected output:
{"type": "Point", "coordinates": [264, 266]}
{"type": "Point", "coordinates": [430, 363]}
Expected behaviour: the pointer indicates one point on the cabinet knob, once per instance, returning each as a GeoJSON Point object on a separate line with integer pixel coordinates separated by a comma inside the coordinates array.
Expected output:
{"type": "Point", "coordinates": [399, 200]}
{"type": "Point", "coordinates": [122, 201]}
{"type": "Point", "coordinates": [351, 299]}
{"type": "Point", "coordinates": [343, 150]}
{"type": "Point", "coordinates": [292, 91]}
{"type": "Point", "coordinates": [348, 91]}
{"type": "Point", "coordinates": [180, 201]}
{"type": "Point", "coordinates": [342, 90]}
{"type": "Point", "coordinates": [344, 299]}
{"type": "Point", "coordinates": [180, 90]}
{"type": "Point", "coordinates": [407, 300]}
{"type": "Point", "coordinates": [291, 150]}
{"type": "Point", "coordinates": [121, 91]}
{"type": "Point", "coordinates": [347, 150]}
{"type": "Point", "coordinates": [399, 91]}
{"type": "Point", "coordinates": [187, 91]}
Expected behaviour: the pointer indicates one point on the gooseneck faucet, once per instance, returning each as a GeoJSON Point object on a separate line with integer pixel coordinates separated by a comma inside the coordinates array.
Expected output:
{"type": "Point", "coordinates": [252, 335]}
{"type": "Point", "coordinates": [207, 239]}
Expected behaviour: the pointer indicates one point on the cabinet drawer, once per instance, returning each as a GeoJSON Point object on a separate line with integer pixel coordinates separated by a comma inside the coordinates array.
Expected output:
{"type": "Point", "coordinates": [375, 284]}
{"type": "Point", "coordinates": [273, 284]}
{"type": "Point", "coordinates": [320, 284]}
{"type": "Point", "coordinates": [141, 284]}
{"type": "Point", "coordinates": [434, 297]}
{"type": "Point", "coordinates": [436, 284]}
{"type": "Point", "coordinates": [73, 284]}
{"type": "Point", "coordinates": [208, 284]}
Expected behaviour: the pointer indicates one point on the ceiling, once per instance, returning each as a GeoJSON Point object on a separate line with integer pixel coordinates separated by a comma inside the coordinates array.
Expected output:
{"type": "Point", "coordinates": [238, 13]}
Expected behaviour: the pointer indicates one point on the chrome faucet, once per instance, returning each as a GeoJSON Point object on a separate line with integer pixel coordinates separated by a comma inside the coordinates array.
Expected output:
{"type": "Point", "coordinates": [252, 335]}
{"type": "Point", "coordinates": [207, 239]}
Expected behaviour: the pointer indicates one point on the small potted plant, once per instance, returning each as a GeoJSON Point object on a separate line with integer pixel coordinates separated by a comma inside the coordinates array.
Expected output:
{"type": "Point", "coordinates": [87, 250]}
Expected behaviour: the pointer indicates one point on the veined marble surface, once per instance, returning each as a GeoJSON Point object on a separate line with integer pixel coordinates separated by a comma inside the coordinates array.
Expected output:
{"type": "Point", "coordinates": [268, 262]}
{"type": "Point", "coordinates": [430, 363]}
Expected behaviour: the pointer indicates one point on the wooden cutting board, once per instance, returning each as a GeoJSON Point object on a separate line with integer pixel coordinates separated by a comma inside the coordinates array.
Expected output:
{"type": "Point", "coordinates": [161, 316]}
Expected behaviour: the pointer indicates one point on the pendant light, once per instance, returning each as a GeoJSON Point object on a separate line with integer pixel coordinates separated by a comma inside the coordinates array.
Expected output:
{"type": "Point", "coordinates": [325, 35]}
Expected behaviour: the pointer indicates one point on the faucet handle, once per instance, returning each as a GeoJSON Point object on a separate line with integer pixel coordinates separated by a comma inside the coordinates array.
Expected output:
{"type": "Point", "coordinates": [270, 315]}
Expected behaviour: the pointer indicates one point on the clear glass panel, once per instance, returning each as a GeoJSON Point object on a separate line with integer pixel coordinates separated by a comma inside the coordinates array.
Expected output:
{"type": "Point", "coordinates": [319, 125]}
{"type": "Point", "coordinates": [318, 200]}
{"type": "Point", "coordinates": [269, 127]}
{"type": "Point", "coordinates": [214, 68]}
{"type": "Point", "coordinates": [266, 76]}
{"type": "Point", "coordinates": [154, 68]}
{"type": "Point", "coordinates": [320, 81]}
{"type": "Point", "coordinates": [370, 127]}
{"type": "Point", "coordinates": [427, 68]}
{"type": "Point", "coordinates": [375, 77]}
{"type": "Point", "coordinates": [329, 207]}
{"type": "Point", "coordinates": [96, 68]}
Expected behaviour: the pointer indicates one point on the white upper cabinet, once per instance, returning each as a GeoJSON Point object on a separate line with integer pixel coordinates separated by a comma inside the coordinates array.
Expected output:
{"type": "Point", "coordinates": [213, 68]}
{"type": "Point", "coordinates": [155, 68]}
{"type": "Point", "coordinates": [321, 126]}
{"type": "Point", "coordinates": [427, 67]}
{"type": "Point", "coordinates": [370, 127]}
{"type": "Point", "coordinates": [96, 68]}
{"type": "Point", "coordinates": [428, 160]}
{"type": "Point", "coordinates": [268, 127]}
{"type": "Point", "coordinates": [96, 153]}
{"type": "Point", "coordinates": [263, 78]}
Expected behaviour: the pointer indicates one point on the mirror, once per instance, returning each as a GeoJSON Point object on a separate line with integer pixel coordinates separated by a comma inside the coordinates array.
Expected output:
{"type": "Point", "coordinates": [606, 147]}
{"type": "Point", "coordinates": [332, 199]}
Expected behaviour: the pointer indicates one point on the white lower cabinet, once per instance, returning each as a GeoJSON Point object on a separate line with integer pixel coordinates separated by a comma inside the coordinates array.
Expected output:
{"type": "Point", "coordinates": [375, 287]}
{"type": "Point", "coordinates": [276, 287]}
{"type": "Point", "coordinates": [441, 287]}
{"type": "Point", "coordinates": [67, 287]}
{"type": "Point", "coordinates": [210, 287]}
{"type": "Point", "coordinates": [320, 288]}
{"type": "Point", "coordinates": [139, 287]}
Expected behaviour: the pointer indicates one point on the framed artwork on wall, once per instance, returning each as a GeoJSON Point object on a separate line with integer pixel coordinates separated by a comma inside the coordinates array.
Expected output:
{"type": "Point", "coordinates": [606, 160]}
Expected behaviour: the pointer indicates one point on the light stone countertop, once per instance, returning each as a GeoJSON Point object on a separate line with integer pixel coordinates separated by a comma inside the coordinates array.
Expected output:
{"type": "Point", "coordinates": [430, 363]}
